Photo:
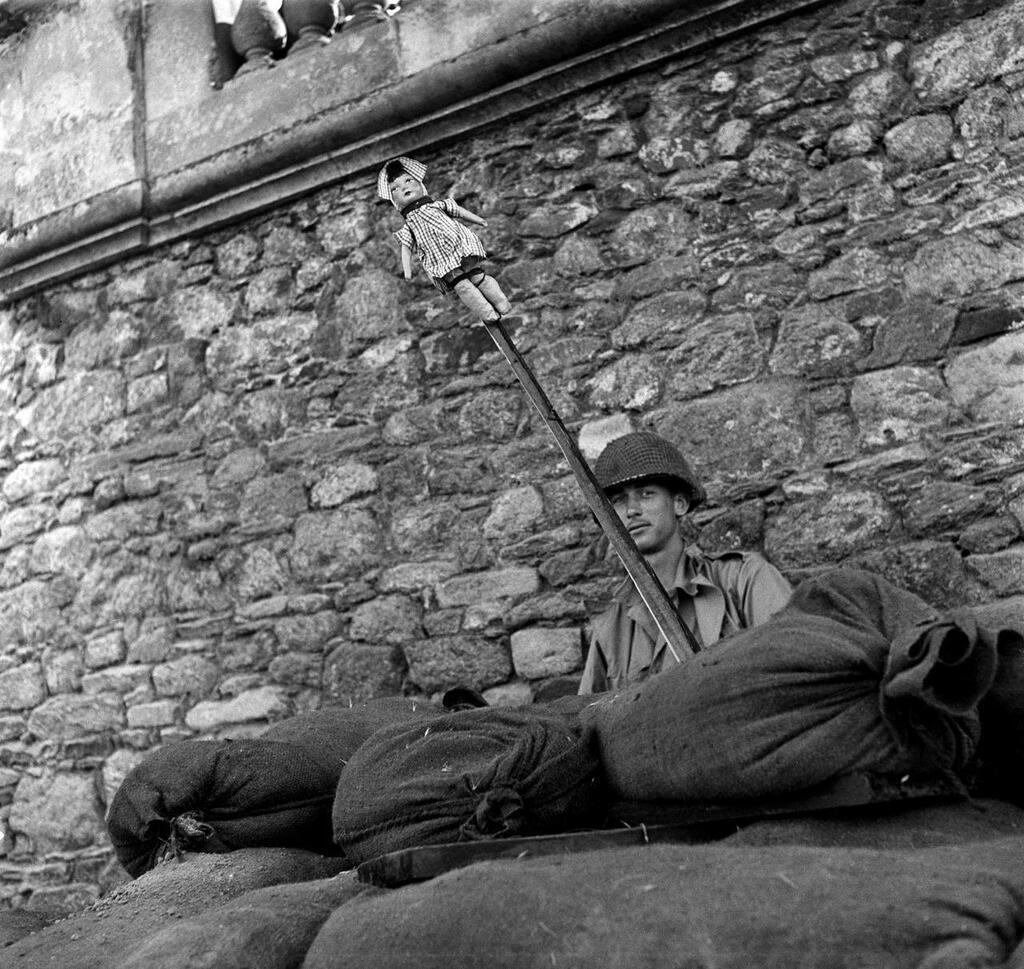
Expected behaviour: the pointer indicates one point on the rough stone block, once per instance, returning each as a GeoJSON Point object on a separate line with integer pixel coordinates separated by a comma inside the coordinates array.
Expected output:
{"type": "Point", "coordinates": [20, 524]}
{"type": "Point", "coordinates": [307, 633]}
{"type": "Point", "coordinates": [828, 528]}
{"type": "Point", "coordinates": [989, 534]}
{"type": "Point", "coordinates": [157, 713]}
{"type": "Point", "coordinates": [988, 381]}
{"type": "Point", "coordinates": [342, 483]}
{"type": "Point", "coordinates": [57, 812]}
{"type": "Point", "coordinates": [514, 513]}
{"type": "Point", "coordinates": [446, 661]}
{"type": "Point", "coordinates": [464, 590]}
{"type": "Point", "coordinates": [272, 503]}
{"type": "Point", "coordinates": [970, 53]}
{"type": "Point", "coordinates": [388, 620]}
{"type": "Point", "coordinates": [632, 383]}
{"type": "Point", "coordinates": [416, 576]}
{"type": "Point", "coordinates": [263, 703]}
{"type": "Point", "coordinates": [814, 342]}
{"type": "Point", "coordinates": [297, 669]}
{"type": "Point", "coordinates": [655, 319]}
{"type": "Point", "coordinates": [973, 325]}
{"type": "Point", "coordinates": [72, 715]}
{"type": "Point", "coordinates": [62, 670]}
{"type": "Point", "coordinates": [920, 142]}
{"type": "Point", "coordinates": [191, 676]}
{"type": "Point", "coordinates": [76, 405]}
{"type": "Point", "coordinates": [104, 650]}
{"type": "Point", "coordinates": [960, 265]}
{"type": "Point", "coordinates": [550, 221]}
{"type": "Point", "coordinates": [899, 405]}
{"type": "Point", "coordinates": [752, 429]}
{"type": "Point", "coordinates": [33, 478]}
{"type": "Point", "coordinates": [64, 549]}
{"type": "Point", "coordinates": [843, 66]}
{"type": "Point", "coordinates": [539, 652]}
{"type": "Point", "coordinates": [596, 435]}
{"type": "Point", "coordinates": [334, 544]}
{"type": "Point", "coordinates": [716, 352]}
{"type": "Point", "coordinates": [358, 671]}
{"type": "Point", "coordinates": [1001, 572]}
{"type": "Point", "coordinates": [22, 687]}
{"type": "Point", "coordinates": [116, 679]}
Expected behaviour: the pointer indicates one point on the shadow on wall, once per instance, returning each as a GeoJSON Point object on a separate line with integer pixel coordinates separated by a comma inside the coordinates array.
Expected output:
{"type": "Point", "coordinates": [250, 35]}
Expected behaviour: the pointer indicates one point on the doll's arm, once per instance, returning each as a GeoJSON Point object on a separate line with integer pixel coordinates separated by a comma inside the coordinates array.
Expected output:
{"type": "Point", "coordinates": [406, 262]}
{"type": "Point", "coordinates": [465, 215]}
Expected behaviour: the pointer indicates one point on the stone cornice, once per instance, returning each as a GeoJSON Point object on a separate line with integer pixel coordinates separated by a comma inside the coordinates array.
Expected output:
{"type": "Point", "coordinates": [438, 103]}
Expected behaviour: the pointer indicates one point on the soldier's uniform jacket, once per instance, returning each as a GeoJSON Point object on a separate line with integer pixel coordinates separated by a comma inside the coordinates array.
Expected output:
{"type": "Point", "coordinates": [715, 595]}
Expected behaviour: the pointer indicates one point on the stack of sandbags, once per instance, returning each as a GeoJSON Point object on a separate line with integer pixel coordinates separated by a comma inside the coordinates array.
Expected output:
{"type": "Point", "coordinates": [474, 774]}
{"type": "Point", "coordinates": [161, 899]}
{"type": "Point", "coordinates": [854, 674]}
{"type": "Point", "coordinates": [708, 907]}
{"type": "Point", "coordinates": [275, 790]}
{"type": "Point", "coordinates": [269, 928]}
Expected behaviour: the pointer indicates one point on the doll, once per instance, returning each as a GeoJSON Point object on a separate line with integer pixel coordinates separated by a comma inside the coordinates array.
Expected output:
{"type": "Point", "coordinates": [449, 252]}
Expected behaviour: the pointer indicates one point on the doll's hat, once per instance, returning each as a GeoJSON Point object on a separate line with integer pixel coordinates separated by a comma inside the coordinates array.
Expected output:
{"type": "Point", "coordinates": [409, 165]}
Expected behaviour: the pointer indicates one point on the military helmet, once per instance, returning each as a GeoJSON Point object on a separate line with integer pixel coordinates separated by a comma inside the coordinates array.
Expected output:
{"type": "Point", "coordinates": [641, 455]}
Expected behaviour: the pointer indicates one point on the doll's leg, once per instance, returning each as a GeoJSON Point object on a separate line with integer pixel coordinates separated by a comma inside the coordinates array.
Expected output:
{"type": "Point", "coordinates": [475, 300]}
{"type": "Point", "coordinates": [490, 288]}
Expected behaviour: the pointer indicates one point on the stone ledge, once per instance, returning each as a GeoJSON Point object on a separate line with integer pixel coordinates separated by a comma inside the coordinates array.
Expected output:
{"type": "Point", "coordinates": [507, 76]}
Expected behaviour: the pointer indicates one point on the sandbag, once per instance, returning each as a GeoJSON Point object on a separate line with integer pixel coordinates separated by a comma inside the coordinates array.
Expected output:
{"type": "Point", "coordinates": [171, 892]}
{"type": "Point", "coordinates": [332, 735]}
{"type": "Point", "coordinates": [897, 825]}
{"type": "Point", "coordinates": [702, 907]}
{"type": "Point", "coordinates": [475, 774]}
{"type": "Point", "coordinates": [17, 923]}
{"type": "Point", "coordinates": [1001, 753]}
{"type": "Point", "coordinates": [269, 928]}
{"type": "Point", "coordinates": [854, 674]}
{"type": "Point", "coordinates": [216, 796]}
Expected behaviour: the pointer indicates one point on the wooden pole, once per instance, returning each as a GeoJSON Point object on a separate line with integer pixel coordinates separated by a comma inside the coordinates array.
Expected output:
{"type": "Point", "coordinates": [681, 641]}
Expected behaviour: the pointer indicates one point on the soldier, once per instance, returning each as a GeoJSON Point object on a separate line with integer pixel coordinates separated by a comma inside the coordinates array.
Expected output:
{"type": "Point", "coordinates": [651, 486]}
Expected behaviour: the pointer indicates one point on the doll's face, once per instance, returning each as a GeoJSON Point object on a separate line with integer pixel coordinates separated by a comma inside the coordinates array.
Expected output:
{"type": "Point", "coordinates": [405, 189]}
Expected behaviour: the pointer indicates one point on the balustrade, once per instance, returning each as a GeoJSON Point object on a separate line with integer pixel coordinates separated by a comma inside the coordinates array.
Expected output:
{"type": "Point", "coordinates": [251, 35]}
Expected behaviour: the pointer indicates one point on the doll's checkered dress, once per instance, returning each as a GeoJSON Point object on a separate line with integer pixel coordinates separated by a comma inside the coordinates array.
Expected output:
{"type": "Point", "coordinates": [441, 243]}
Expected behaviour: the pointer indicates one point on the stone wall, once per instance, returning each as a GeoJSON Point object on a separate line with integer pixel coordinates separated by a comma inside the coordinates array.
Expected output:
{"type": "Point", "coordinates": [256, 471]}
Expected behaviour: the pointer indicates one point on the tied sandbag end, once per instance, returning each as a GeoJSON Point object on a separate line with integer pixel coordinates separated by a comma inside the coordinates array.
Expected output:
{"type": "Point", "coordinates": [949, 663]}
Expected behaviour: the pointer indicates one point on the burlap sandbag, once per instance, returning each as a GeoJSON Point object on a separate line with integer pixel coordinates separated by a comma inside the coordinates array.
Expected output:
{"type": "Point", "coordinates": [854, 674]}
{"type": "Point", "coordinates": [1001, 754]}
{"type": "Point", "coordinates": [707, 907]}
{"type": "Point", "coordinates": [217, 796]}
{"type": "Point", "coordinates": [269, 928]}
{"type": "Point", "coordinates": [332, 735]}
{"type": "Point", "coordinates": [898, 825]}
{"type": "Point", "coordinates": [475, 774]}
{"type": "Point", "coordinates": [167, 895]}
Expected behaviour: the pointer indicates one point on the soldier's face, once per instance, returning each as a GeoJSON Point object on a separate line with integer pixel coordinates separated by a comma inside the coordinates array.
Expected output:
{"type": "Point", "coordinates": [650, 513]}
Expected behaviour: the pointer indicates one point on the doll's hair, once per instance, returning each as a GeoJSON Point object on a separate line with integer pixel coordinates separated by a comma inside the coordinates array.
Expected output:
{"type": "Point", "coordinates": [394, 169]}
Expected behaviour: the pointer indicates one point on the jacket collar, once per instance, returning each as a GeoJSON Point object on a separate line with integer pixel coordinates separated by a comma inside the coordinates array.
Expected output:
{"type": "Point", "coordinates": [691, 582]}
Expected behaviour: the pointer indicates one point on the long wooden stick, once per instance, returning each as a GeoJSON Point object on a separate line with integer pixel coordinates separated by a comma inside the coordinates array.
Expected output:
{"type": "Point", "coordinates": [681, 641]}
